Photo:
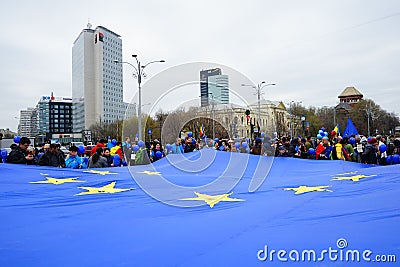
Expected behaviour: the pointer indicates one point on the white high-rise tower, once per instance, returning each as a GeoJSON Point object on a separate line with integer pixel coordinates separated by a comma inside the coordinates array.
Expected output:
{"type": "Point", "coordinates": [97, 92]}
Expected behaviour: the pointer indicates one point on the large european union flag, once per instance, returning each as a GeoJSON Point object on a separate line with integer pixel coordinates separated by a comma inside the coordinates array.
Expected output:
{"type": "Point", "coordinates": [236, 210]}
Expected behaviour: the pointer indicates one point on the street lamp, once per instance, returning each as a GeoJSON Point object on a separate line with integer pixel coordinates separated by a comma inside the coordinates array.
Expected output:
{"type": "Point", "coordinates": [369, 113]}
{"type": "Point", "coordinates": [139, 73]}
{"type": "Point", "coordinates": [291, 116]}
{"type": "Point", "coordinates": [258, 92]}
{"type": "Point", "coordinates": [213, 113]}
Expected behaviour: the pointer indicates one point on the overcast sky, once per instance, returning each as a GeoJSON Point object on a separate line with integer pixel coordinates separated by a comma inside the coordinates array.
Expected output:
{"type": "Point", "coordinates": [311, 49]}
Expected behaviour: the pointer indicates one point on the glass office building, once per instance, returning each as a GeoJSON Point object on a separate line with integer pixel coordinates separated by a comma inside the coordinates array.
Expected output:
{"type": "Point", "coordinates": [204, 92]}
{"type": "Point", "coordinates": [218, 86]}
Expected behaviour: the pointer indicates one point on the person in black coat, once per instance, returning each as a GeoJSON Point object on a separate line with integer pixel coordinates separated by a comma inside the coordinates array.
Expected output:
{"type": "Point", "coordinates": [52, 158]}
{"type": "Point", "coordinates": [20, 154]}
{"type": "Point", "coordinates": [189, 146]}
{"type": "Point", "coordinates": [369, 156]}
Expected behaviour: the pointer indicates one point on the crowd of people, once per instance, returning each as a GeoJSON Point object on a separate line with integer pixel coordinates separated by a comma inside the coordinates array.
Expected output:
{"type": "Point", "coordinates": [382, 150]}
{"type": "Point", "coordinates": [377, 149]}
{"type": "Point", "coordinates": [51, 155]}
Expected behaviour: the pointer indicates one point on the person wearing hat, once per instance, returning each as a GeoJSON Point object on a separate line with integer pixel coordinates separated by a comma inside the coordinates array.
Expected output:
{"type": "Point", "coordinates": [73, 161]}
{"type": "Point", "coordinates": [369, 155]}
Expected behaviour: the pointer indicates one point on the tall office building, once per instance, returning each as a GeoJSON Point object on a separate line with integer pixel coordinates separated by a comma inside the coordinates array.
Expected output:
{"type": "Point", "coordinates": [28, 123]}
{"type": "Point", "coordinates": [43, 112]}
{"type": "Point", "coordinates": [60, 116]}
{"type": "Point", "coordinates": [55, 115]}
{"type": "Point", "coordinates": [97, 93]}
{"type": "Point", "coordinates": [129, 110]}
{"type": "Point", "coordinates": [218, 88]}
{"type": "Point", "coordinates": [204, 75]}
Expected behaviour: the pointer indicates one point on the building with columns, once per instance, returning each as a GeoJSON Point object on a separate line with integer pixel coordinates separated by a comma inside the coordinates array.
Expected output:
{"type": "Point", "coordinates": [273, 118]}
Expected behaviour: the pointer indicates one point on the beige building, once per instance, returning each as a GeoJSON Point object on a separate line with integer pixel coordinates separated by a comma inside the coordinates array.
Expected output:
{"type": "Point", "coordinates": [273, 118]}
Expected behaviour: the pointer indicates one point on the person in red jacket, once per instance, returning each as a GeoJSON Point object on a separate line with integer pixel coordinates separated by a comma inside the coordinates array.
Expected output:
{"type": "Point", "coordinates": [322, 149]}
{"type": "Point", "coordinates": [102, 143]}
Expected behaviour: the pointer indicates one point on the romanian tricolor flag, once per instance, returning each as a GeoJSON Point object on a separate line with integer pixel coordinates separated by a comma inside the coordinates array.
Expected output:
{"type": "Point", "coordinates": [337, 129]}
{"type": "Point", "coordinates": [201, 130]}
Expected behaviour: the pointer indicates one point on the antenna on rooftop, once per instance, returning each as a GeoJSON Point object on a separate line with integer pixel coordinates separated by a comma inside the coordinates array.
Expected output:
{"type": "Point", "coordinates": [89, 25]}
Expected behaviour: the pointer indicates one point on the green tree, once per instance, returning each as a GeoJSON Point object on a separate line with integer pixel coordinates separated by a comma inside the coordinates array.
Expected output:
{"type": "Point", "coordinates": [380, 121]}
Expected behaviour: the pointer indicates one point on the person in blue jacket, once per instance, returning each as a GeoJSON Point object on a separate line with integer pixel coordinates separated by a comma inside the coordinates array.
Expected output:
{"type": "Point", "coordinates": [177, 147]}
{"type": "Point", "coordinates": [73, 161]}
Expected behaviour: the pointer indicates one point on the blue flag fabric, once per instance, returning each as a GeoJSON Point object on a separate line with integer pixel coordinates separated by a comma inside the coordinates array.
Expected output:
{"type": "Point", "coordinates": [350, 129]}
{"type": "Point", "coordinates": [66, 217]}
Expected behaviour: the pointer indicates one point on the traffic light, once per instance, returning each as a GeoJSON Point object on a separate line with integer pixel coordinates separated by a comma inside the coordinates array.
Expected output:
{"type": "Point", "coordinates": [247, 116]}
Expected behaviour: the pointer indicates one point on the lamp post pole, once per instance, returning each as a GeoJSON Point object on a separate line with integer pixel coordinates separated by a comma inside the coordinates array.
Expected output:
{"type": "Point", "coordinates": [258, 92]}
{"type": "Point", "coordinates": [291, 123]}
{"type": "Point", "coordinates": [291, 117]}
{"type": "Point", "coordinates": [139, 73]}
{"type": "Point", "coordinates": [334, 116]}
{"type": "Point", "coordinates": [213, 114]}
{"type": "Point", "coordinates": [259, 104]}
{"type": "Point", "coordinates": [368, 110]}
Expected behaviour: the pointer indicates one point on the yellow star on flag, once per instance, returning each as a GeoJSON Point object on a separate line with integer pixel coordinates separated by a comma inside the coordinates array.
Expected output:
{"type": "Point", "coordinates": [212, 200]}
{"type": "Point", "coordinates": [51, 180]}
{"type": "Point", "coordinates": [305, 189]}
{"type": "Point", "coordinates": [150, 173]}
{"type": "Point", "coordinates": [107, 189]}
{"type": "Point", "coordinates": [347, 173]}
{"type": "Point", "coordinates": [355, 178]}
{"type": "Point", "coordinates": [101, 172]}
